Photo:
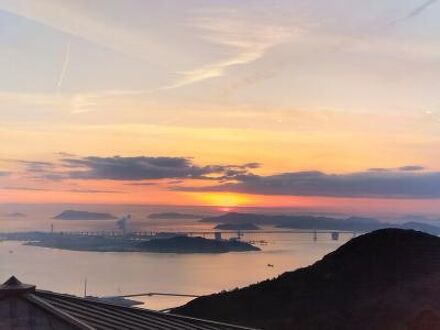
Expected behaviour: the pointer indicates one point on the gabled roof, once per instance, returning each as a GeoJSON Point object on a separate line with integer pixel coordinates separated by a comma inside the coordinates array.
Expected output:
{"type": "Point", "coordinates": [23, 306]}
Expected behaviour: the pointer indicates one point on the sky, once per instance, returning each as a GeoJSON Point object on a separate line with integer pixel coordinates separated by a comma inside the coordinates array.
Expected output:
{"type": "Point", "coordinates": [315, 104]}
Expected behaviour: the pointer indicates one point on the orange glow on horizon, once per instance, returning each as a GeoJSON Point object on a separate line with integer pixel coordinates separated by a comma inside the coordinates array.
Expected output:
{"type": "Point", "coordinates": [224, 199]}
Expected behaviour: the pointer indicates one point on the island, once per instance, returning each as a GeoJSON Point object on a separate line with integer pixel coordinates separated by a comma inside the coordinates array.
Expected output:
{"type": "Point", "coordinates": [185, 244]}
{"type": "Point", "coordinates": [104, 243]}
{"type": "Point", "coordinates": [173, 216]}
{"type": "Point", "coordinates": [83, 215]}
{"type": "Point", "coordinates": [237, 226]}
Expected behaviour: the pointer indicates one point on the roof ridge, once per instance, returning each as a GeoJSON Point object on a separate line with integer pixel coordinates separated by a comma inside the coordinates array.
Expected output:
{"type": "Point", "coordinates": [143, 310]}
{"type": "Point", "coordinates": [32, 298]}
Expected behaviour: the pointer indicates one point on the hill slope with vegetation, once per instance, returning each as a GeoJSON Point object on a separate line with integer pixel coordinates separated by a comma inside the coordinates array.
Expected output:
{"type": "Point", "coordinates": [385, 280]}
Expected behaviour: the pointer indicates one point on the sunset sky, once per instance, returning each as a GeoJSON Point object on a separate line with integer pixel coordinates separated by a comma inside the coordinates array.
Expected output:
{"type": "Point", "coordinates": [314, 104]}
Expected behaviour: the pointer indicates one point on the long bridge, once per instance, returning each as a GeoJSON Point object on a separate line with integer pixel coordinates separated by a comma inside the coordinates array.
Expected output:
{"type": "Point", "coordinates": [214, 233]}
{"type": "Point", "coordinates": [202, 232]}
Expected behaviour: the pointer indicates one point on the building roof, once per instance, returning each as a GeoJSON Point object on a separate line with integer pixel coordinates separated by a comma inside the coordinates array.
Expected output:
{"type": "Point", "coordinates": [24, 307]}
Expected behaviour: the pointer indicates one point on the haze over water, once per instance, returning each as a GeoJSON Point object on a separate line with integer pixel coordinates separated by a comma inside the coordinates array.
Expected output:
{"type": "Point", "coordinates": [113, 273]}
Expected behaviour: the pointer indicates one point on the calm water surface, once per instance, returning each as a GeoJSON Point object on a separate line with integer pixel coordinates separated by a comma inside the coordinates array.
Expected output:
{"type": "Point", "coordinates": [113, 273]}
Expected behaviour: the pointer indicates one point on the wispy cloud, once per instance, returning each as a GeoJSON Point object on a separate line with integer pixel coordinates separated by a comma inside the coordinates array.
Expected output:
{"type": "Point", "coordinates": [411, 168]}
{"type": "Point", "coordinates": [142, 184]}
{"type": "Point", "coordinates": [406, 168]}
{"type": "Point", "coordinates": [84, 20]}
{"type": "Point", "coordinates": [246, 41]}
{"type": "Point", "coordinates": [415, 12]}
{"type": "Point", "coordinates": [74, 103]}
{"type": "Point", "coordinates": [81, 191]}
{"type": "Point", "coordinates": [65, 65]}
{"type": "Point", "coordinates": [95, 191]}
{"type": "Point", "coordinates": [23, 188]}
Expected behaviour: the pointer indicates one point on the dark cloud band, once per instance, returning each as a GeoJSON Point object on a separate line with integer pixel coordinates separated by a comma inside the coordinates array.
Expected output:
{"type": "Point", "coordinates": [411, 181]}
{"type": "Point", "coordinates": [143, 168]}
{"type": "Point", "coordinates": [369, 184]}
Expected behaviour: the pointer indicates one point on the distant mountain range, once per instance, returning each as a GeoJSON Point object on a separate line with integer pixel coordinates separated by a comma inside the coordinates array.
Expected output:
{"type": "Point", "coordinates": [237, 226]}
{"type": "Point", "coordinates": [308, 222]}
{"type": "Point", "coordinates": [384, 280]}
{"type": "Point", "coordinates": [83, 215]}
{"type": "Point", "coordinates": [420, 226]}
{"type": "Point", "coordinates": [173, 216]}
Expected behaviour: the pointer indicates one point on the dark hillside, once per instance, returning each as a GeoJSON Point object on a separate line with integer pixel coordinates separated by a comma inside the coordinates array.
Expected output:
{"type": "Point", "coordinates": [385, 280]}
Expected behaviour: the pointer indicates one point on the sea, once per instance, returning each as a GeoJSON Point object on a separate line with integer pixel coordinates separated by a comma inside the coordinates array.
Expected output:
{"type": "Point", "coordinates": [105, 274]}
